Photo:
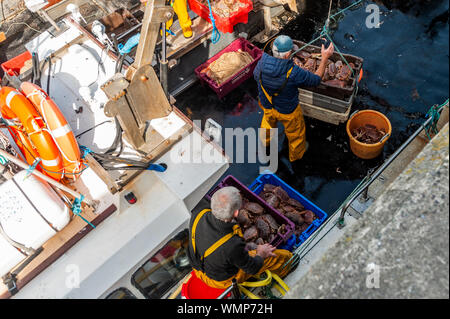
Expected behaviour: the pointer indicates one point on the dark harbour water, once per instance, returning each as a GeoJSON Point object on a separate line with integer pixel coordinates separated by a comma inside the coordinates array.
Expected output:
{"type": "Point", "coordinates": [406, 71]}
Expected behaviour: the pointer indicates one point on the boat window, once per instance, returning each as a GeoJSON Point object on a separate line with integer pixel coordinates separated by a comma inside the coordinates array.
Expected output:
{"type": "Point", "coordinates": [121, 293]}
{"type": "Point", "coordinates": [165, 269]}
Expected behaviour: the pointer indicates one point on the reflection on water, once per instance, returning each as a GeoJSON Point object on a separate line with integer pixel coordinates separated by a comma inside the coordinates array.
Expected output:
{"type": "Point", "coordinates": [405, 72]}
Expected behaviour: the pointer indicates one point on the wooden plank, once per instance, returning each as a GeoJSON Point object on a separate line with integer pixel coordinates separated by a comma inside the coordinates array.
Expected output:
{"type": "Point", "coordinates": [56, 246]}
{"type": "Point", "coordinates": [102, 173]}
{"type": "Point", "coordinates": [178, 45]}
{"type": "Point", "coordinates": [59, 9]}
{"type": "Point", "coordinates": [149, 35]}
{"type": "Point", "coordinates": [323, 114]}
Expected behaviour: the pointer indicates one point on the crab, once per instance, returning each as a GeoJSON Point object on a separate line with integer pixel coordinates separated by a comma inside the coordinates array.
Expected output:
{"type": "Point", "coordinates": [358, 133]}
{"type": "Point", "coordinates": [332, 69]}
{"type": "Point", "coordinates": [281, 193]}
{"type": "Point", "coordinates": [272, 222]}
{"type": "Point", "coordinates": [308, 216]}
{"type": "Point", "coordinates": [368, 134]}
{"type": "Point", "coordinates": [296, 204]}
{"type": "Point", "coordinates": [243, 218]}
{"type": "Point", "coordinates": [254, 208]}
{"type": "Point", "coordinates": [287, 208]}
{"type": "Point", "coordinates": [344, 73]}
{"type": "Point", "coordinates": [268, 188]}
{"type": "Point", "coordinates": [339, 64]}
{"type": "Point", "coordinates": [272, 199]}
{"type": "Point", "coordinates": [296, 217]}
{"type": "Point", "coordinates": [303, 54]}
{"type": "Point", "coordinates": [310, 65]}
{"type": "Point", "coordinates": [263, 228]}
{"type": "Point", "coordinates": [251, 233]}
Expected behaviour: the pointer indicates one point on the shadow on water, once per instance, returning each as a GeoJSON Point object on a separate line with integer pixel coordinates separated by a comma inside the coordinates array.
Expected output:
{"type": "Point", "coordinates": [406, 72]}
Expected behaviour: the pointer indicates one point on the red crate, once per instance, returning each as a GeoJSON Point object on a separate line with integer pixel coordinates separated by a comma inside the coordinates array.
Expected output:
{"type": "Point", "coordinates": [225, 25]}
{"type": "Point", "coordinates": [240, 77]}
{"type": "Point", "coordinates": [13, 66]}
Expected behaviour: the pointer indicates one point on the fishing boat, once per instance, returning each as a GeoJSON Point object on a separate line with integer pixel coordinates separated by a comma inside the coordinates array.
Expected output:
{"type": "Point", "coordinates": [122, 211]}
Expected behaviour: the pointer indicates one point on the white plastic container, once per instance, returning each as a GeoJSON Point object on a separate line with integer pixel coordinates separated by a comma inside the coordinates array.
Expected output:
{"type": "Point", "coordinates": [30, 214]}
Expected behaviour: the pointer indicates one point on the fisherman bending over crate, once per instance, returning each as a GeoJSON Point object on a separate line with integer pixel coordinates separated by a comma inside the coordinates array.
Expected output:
{"type": "Point", "coordinates": [217, 248]}
{"type": "Point", "coordinates": [278, 82]}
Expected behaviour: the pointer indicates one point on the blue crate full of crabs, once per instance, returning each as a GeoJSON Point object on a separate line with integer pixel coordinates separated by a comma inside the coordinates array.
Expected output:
{"type": "Point", "coordinates": [306, 216]}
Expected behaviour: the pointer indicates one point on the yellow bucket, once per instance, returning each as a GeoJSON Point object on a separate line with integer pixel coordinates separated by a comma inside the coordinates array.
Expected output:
{"type": "Point", "coordinates": [377, 119]}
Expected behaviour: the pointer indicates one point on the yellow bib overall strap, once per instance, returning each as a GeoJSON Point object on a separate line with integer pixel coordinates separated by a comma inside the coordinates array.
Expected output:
{"type": "Point", "coordinates": [214, 246]}
{"type": "Point", "coordinates": [269, 97]}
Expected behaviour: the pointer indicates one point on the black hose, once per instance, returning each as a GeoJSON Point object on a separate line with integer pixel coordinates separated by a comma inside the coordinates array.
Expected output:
{"type": "Point", "coordinates": [117, 140]}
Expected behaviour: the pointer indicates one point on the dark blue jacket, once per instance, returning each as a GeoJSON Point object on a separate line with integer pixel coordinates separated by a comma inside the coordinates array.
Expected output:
{"type": "Point", "coordinates": [274, 73]}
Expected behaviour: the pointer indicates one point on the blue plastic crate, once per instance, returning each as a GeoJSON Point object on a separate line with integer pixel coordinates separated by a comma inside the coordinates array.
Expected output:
{"type": "Point", "coordinates": [269, 178]}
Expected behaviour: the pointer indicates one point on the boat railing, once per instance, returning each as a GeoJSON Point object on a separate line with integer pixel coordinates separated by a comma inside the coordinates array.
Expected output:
{"type": "Point", "coordinates": [373, 176]}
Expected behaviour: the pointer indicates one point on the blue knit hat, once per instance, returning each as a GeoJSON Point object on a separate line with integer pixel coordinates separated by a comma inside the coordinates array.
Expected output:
{"type": "Point", "coordinates": [283, 43]}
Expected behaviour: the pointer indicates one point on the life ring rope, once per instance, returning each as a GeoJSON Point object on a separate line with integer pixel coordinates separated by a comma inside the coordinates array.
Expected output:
{"type": "Point", "coordinates": [36, 157]}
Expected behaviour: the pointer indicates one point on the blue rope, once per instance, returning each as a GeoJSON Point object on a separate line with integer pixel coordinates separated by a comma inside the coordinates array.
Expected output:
{"type": "Point", "coordinates": [435, 113]}
{"type": "Point", "coordinates": [3, 160]}
{"type": "Point", "coordinates": [215, 36]}
{"type": "Point", "coordinates": [86, 150]}
{"type": "Point", "coordinates": [32, 168]}
{"type": "Point", "coordinates": [169, 31]}
{"type": "Point", "coordinates": [76, 209]}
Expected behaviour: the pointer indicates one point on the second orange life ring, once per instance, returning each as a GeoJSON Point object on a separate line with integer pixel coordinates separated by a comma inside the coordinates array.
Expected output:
{"type": "Point", "coordinates": [57, 126]}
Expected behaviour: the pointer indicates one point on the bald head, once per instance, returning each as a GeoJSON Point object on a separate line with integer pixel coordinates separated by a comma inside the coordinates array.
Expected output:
{"type": "Point", "coordinates": [225, 202]}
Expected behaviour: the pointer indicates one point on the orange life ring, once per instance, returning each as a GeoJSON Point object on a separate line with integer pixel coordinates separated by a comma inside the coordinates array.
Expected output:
{"type": "Point", "coordinates": [26, 148]}
{"type": "Point", "coordinates": [14, 128]}
{"type": "Point", "coordinates": [57, 126]}
{"type": "Point", "coordinates": [15, 104]}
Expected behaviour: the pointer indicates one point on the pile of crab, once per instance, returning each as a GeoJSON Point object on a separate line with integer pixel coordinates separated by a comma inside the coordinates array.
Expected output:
{"type": "Point", "coordinates": [279, 199]}
{"type": "Point", "coordinates": [368, 134]}
{"type": "Point", "coordinates": [336, 73]}
{"type": "Point", "coordinates": [259, 227]}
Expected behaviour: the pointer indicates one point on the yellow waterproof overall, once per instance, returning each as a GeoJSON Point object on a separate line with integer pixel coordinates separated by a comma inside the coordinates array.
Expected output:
{"type": "Point", "coordinates": [180, 8]}
{"type": "Point", "coordinates": [273, 264]}
{"type": "Point", "coordinates": [294, 125]}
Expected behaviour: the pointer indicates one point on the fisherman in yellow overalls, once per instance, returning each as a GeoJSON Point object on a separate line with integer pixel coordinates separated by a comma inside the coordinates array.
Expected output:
{"type": "Point", "coordinates": [180, 8]}
{"type": "Point", "coordinates": [278, 82]}
{"type": "Point", "coordinates": [217, 248]}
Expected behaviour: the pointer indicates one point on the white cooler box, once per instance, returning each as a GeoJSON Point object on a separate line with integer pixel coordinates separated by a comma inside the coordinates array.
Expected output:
{"type": "Point", "coordinates": [28, 206]}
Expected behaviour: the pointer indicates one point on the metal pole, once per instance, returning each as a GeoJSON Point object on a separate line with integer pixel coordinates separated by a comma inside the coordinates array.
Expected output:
{"type": "Point", "coordinates": [235, 292]}
{"type": "Point", "coordinates": [49, 180]}
{"type": "Point", "coordinates": [130, 30]}
{"type": "Point", "coordinates": [226, 292]}
{"type": "Point", "coordinates": [163, 63]}
{"type": "Point", "coordinates": [341, 221]}
{"type": "Point", "coordinates": [52, 22]}
{"type": "Point", "coordinates": [234, 289]}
